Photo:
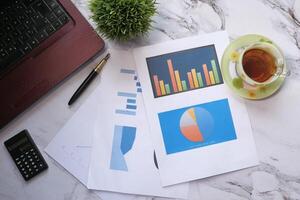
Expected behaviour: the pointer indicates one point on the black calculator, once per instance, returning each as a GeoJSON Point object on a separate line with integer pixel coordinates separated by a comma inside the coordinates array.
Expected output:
{"type": "Point", "coordinates": [26, 155]}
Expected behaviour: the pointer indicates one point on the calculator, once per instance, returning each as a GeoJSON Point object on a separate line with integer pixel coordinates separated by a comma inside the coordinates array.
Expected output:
{"type": "Point", "coordinates": [26, 155]}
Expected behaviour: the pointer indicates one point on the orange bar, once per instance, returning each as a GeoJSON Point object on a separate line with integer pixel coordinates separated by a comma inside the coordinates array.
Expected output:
{"type": "Point", "coordinates": [172, 75]}
{"type": "Point", "coordinates": [189, 74]}
{"type": "Point", "coordinates": [156, 83]}
{"type": "Point", "coordinates": [206, 74]}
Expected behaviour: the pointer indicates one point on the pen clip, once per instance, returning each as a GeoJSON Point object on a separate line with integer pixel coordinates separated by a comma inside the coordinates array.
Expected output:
{"type": "Point", "coordinates": [99, 67]}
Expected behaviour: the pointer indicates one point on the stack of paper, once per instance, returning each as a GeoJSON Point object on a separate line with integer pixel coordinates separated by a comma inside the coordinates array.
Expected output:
{"type": "Point", "coordinates": [152, 133]}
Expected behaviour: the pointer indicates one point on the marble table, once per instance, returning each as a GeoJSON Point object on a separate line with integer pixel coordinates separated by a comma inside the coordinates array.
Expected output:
{"type": "Point", "coordinates": [274, 120]}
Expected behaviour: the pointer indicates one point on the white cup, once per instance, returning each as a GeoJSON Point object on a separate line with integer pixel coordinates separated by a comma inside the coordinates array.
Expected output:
{"type": "Point", "coordinates": [272, 50]}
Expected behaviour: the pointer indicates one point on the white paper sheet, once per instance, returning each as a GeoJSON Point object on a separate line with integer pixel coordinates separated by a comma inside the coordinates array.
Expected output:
{"type": "Point", "coordinates": [71, 147]}
{"type": "Point", "coordinates": [122, 156]}
{"type": "Point", "coordinates": [184, 154]}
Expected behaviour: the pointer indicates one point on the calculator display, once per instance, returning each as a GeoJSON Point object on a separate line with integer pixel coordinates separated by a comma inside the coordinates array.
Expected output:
{"type": "Point", "coordinates": [17, 143]}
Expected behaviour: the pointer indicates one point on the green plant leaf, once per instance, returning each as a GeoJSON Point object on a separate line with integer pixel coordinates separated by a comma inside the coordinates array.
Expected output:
{"type": "Point", "coordinates": [122, 20]}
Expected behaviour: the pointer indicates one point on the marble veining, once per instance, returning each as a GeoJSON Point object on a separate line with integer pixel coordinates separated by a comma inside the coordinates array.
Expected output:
{"type": "Point", "coordinates": [275, 121]}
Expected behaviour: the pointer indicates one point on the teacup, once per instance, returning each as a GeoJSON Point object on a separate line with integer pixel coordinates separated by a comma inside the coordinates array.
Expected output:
{"type": "Point", "coordinates": [261, 63]}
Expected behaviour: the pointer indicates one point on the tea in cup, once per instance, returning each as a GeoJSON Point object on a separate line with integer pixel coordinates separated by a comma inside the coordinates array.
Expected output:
{"type": "Point", "coordinates": [261, 63]}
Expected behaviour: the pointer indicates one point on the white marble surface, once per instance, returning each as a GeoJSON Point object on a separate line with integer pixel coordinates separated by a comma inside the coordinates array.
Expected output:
{"type": "Point", "coordinates": [275, 121]}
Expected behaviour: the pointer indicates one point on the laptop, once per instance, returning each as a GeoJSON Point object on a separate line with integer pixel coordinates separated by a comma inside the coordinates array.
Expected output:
{"type": "Point", "coordinates": [41, 43]}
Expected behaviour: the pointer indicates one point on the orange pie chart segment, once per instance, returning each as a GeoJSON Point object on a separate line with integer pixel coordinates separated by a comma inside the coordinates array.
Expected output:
{"type": "Point", "coordinates": [189, 127]}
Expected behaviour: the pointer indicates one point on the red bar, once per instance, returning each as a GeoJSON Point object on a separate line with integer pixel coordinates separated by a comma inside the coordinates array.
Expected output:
{"type": "Point", "coordinates": [172, 75]}
{"type": "Point", "coordinates": [206, 74]}
{"type": "Point", "coordinates": [156, 83]}
{"type": "Point", "coordinates": [189, 74]}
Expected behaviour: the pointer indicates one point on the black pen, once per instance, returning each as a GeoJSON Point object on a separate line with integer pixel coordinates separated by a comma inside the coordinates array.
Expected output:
{"type": "Point", "coordinates": [89, 79]}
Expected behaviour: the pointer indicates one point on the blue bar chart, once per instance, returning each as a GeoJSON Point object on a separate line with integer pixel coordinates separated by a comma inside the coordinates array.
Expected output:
{"type": "Point", "coordinates": [130, 101]}
{"type": "Point", "coordinates": [184, 70]}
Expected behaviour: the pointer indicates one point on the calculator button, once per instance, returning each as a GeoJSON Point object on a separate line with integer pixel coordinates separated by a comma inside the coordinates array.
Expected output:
{"type": "Point", "coordinates": [30, 159]}
{"type": "Point", "coordinates": [41, 165]}
{"type": "Point", "coordinates": [27, 153]}
{"type": "Point", "coordinates": [22, 156]}
{"type": "Point", "coordinates": [26, 176]}
{"type": "Point", "coordinates": [36, 170]}
{"type": "Point", "coordinates": [27, 166]}
{"type": "Point", "coordinates": [17, 159]}
{"type": "Point", "coordinates": [25, 163]}
{"type": "Point", "coordinates": [23, 169]}
{"type": "Point", "coordinates": [31, 149]}
{"type": "Point", "coordinates": [19, 162]}
{"type": "Point", "coordinates": [34, 166]}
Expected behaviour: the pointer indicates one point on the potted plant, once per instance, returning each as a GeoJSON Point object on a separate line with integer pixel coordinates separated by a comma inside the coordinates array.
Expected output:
{"type": "Point", "coordinates": [122, 20]}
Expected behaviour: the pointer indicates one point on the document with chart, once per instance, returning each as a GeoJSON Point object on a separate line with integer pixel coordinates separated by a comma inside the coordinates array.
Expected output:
{"type": "Point", "coordinates": [198, 128]}
{"type": "Point", "coordinates": [123, 158]}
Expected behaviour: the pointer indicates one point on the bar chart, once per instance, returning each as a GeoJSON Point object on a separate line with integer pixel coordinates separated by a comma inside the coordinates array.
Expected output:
{"type": "Point", "coordinates": [184, 70]}
{"type": "Point", "coordinates": [129, 97]}
{"type": "Point", "coordinates": [130, 108]}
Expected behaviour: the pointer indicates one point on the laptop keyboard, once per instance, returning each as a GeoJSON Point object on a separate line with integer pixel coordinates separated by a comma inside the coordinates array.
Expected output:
{"type": "Point", "coordinates": [24, 24]}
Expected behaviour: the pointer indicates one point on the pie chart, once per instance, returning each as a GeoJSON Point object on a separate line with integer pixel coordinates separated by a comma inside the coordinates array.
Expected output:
{"type": "Point", "coordinates": [196, 124]}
